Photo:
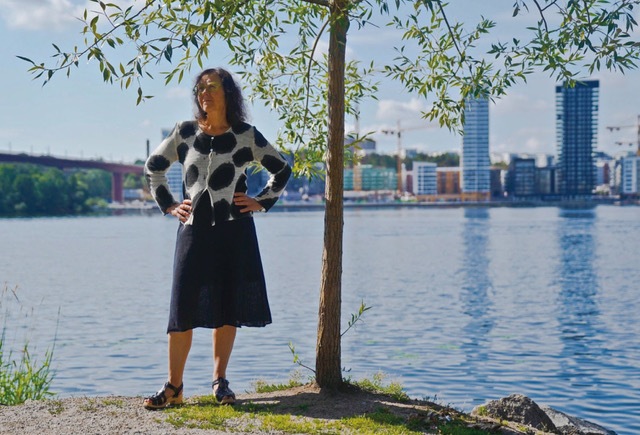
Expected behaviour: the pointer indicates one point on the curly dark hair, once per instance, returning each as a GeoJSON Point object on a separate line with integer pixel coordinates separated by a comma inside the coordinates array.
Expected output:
{"type": "Point", "coordinates": [236, 111]}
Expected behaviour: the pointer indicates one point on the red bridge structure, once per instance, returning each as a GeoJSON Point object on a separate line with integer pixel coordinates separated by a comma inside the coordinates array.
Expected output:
{"type": "Point", "coordinates": [117, 170]}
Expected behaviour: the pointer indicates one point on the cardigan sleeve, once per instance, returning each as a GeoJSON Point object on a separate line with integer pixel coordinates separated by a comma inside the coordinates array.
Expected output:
{"type": "Point", "coordinates": [156, 167]}
{"type": "Point", "coordinates": [278, 168]}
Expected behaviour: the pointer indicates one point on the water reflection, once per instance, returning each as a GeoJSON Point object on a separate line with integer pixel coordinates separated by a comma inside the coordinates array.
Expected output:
{"type": "Point", "coordinates": [476, 285]}
{"type": "Point", "coordinates": [578, 313]}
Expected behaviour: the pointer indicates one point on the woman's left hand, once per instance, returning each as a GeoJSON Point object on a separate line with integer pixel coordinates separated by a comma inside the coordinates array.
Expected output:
{"type": "Point", "coordinates": [246, 203]}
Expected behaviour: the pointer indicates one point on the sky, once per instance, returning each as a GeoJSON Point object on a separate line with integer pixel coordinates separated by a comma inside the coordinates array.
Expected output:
{"type": "Point", "coordinates": [82, 117]}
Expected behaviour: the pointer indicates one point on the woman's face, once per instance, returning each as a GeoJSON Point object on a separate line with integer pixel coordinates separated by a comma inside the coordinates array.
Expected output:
{"type": "Point", "coordinates": [211, 94]}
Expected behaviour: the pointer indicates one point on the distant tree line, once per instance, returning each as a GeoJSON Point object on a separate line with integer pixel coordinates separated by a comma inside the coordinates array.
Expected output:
{"type": "Point", "coordinates": [27, 189]}
{"type": "Point", "coordinates": [389, 161]}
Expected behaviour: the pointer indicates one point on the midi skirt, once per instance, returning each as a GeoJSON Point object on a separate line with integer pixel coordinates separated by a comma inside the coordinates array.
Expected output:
{"type": "Point", "coordinates": [217, 275]}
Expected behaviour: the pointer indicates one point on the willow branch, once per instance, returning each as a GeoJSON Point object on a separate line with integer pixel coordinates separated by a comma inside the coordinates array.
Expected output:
{"type": "Point", "coordinates": [541, 10]}
{"type": "Point", "coordinates": [97, 42]}
{"type": "Point", "coordinates": [451, 33]}
{"type": "Point", "coordinates": [308, 77]}
{"type": "Point", "coordinates": [549, 5]}
{"type": "Point", "coordinates": [324, 3]}
{"type": "Point", "coordinates": [446, 21]}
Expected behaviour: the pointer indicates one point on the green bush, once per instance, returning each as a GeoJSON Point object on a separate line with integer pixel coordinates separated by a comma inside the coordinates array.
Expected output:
{"type": "Point", "coordinates": [22, 376]}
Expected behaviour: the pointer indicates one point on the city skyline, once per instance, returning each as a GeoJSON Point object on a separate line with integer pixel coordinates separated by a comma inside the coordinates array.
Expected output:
{"type": "Point", "coordinates": [83, 117]}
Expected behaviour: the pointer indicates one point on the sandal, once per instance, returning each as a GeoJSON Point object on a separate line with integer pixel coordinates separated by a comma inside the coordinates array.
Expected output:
{"type": "Point", "coordinates": [160, 399]}
{"type": "Point", "coordinates": [223, 393]}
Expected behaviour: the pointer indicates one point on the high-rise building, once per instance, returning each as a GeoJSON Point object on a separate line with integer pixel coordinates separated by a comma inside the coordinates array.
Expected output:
{"type": "Point", "coordinates": [576, 135]}
{"type": "Point", "coordinates": [475, 163]}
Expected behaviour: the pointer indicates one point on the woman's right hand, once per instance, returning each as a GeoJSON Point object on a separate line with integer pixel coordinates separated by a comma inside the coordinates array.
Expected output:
{"type": "Point", "coordinates": [182, 211]}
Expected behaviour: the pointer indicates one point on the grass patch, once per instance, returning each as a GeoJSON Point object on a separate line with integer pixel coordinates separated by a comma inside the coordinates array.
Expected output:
{"type": "Point", "coordinates": [118, 403]}
{"type": "Point", "coordinates": [381, 421]}
{"type": "Point", "coordinates": [388, 410]}
{"type": "Point", "coordinates": [377, 386]}
{"type": "Point", "coordinates": [205, 414]}
{"type": "Point", "coordinates": [23, 377]}
{"type": "Point", "coordinates": [264, 387]}
{"type": "Point", "coordinates": [55, 407]}
{"type": "Point", "coordinates": [91, 405]}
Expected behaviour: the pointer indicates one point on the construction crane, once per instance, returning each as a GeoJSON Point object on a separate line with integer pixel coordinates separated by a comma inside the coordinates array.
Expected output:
{"type": "Point", "coordinates": [637, 127]}
{"type": "Point", "coordinates": [398, 133]}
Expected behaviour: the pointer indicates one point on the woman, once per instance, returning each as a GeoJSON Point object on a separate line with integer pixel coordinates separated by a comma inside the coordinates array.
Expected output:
{"type": "Point", "coordinates": [218, 281]}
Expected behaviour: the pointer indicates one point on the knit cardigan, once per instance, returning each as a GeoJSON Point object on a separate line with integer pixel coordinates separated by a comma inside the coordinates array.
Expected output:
{"type": "Point", "coordinates": [215, 164]}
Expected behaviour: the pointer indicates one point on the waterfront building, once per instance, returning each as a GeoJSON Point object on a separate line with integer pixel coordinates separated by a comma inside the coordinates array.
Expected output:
{"type": "Point", "coordinates": [448, 180]}
{"type": "Point", "coordinates": [377, 178]}
{"type": "Point", "coordinates": [576, 135]}
{"type": "Point", "coordinates": [475, 163]}
{"type": "Point", "coordinates": [603, 173]}
{"type": "Point", "coordinates": [408, 181]}
{"type": "Point", "coordinates": [521, 177]}
{"type": "Point", "coordinates": [347, 180]}
{"type": "Point", "coordinates": [369, 178]}
{"type": "Point", "coordinates": [630, 182]}
{"type": "Point", "coordinates": [424, 178]}
{"type": "Point", "coordinates": [497, 187]}
{"type": "Point", "coordinates": [545, 180]}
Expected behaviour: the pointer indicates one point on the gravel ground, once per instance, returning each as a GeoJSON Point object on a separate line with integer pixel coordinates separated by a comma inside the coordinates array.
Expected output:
{"type": "Point", "coordinates": [125, 415]}
{"type": "Point", "coordinates": [104, 415]}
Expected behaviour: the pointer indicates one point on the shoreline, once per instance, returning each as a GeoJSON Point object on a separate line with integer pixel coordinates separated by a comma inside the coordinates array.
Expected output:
{"type": "Point", "coordinates": [149, 208]}
{"type": "Point", "coordinates": [294, 409]}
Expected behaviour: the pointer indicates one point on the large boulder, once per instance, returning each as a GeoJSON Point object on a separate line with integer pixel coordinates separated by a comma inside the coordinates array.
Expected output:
{"type": "Point", "coordinates": [568, 425]}
{"type": "Point", "coordinates": [519, 409]}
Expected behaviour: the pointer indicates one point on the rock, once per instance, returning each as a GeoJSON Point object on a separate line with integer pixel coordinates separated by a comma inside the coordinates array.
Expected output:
{"type": "Point", "coordinates": [568, 425]}
{"type": "Point", "coordinates": [519, 409]}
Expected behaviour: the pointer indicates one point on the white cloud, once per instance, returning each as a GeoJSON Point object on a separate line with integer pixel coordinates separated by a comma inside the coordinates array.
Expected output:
{"type": "Point", "coordinates": [39, 14]}
{"type": "Point", "coordinates": [47, 14]}
{"type": "Point", "coordinates": [526, 140]}
{"type": "Point", "coordinates": [392, 110]}
{"type": "Point", "coordinates": [516, 102]}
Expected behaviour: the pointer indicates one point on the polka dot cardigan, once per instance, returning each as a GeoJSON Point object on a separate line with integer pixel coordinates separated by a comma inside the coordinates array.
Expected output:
{"type": "Point", "coordinates": [216, 164]}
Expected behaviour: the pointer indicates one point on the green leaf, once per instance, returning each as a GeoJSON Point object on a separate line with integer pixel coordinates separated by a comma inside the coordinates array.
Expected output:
{"type": "Point", "coordinates": [26, 59]}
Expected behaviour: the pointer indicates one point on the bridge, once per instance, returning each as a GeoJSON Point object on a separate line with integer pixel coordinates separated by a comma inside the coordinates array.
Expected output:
{"type": "Point", "coordinates": [117, 170]}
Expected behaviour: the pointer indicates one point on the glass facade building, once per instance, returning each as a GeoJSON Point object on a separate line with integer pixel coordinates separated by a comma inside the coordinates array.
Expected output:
{"type": "Point", "coordinates": [576, 137]}
{"type": "Point", "coordinates": [475, 162]}
{"type": "Point", "coordinates": [367, 177]}
{"type": "Point", "coordinates": [424, 178]}
{"type": "Point", "coordinates": [630, 184]}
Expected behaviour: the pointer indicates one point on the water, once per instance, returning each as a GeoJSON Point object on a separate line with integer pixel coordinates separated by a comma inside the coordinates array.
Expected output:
{"type": "Point", "coordinates": [469, 304]}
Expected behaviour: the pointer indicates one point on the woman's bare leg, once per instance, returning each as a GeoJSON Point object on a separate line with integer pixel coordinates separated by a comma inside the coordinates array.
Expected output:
{"type": "Point", "coordinates": [223, 339]}
{"type": "Point", "coordinates": [179, 347]}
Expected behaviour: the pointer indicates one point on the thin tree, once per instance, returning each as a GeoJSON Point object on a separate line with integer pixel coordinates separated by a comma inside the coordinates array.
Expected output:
{"type": "Point", "coordinates": [437, 58]}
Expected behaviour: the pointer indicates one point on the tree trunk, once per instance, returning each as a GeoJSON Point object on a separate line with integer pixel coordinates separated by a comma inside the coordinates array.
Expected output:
{"type": "Point", "coordinates": [328, 367]}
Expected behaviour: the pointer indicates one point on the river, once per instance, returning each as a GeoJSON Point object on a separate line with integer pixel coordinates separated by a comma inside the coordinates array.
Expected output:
{"type": "Point", "coordinates": [468, 304]}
